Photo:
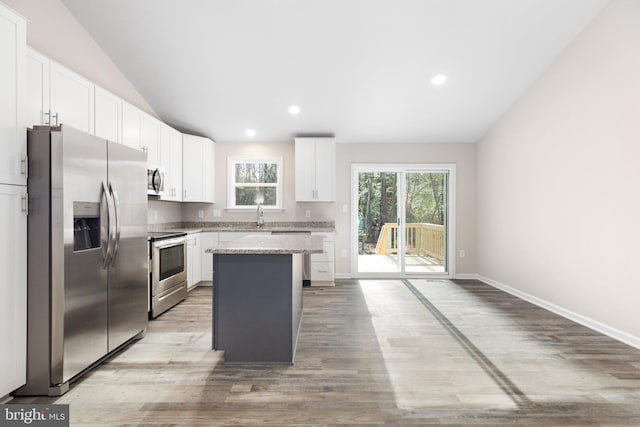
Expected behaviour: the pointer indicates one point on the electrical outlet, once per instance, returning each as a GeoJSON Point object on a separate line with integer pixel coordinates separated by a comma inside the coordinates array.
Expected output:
{"type": "Point", "coordinates": [343, 253]}
{"type": "Point", "coordinates": [217, 213]}
{"type": "Point", "coordinates": [345, 208]}
{"type": "Point", "coordinates": [462, 253]}
{"type": "Point", "coordinates": [200, 214]}
{"type": "Point", "coordinates": [307, 213]}
{"type": "Point", "coordinates": [155, 215]}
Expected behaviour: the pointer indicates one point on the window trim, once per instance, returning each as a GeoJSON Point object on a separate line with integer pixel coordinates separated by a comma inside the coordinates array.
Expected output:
{"type": "Point", "coordinates": [231, 184]}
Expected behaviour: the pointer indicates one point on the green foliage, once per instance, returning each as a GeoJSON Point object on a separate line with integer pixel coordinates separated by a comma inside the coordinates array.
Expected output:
{"type": "Point", "coordinates": [256, 173]}
{"type": "Point", "coordinates": [248, 196]}
{"type": "Point", "coordinates": [378, 198]}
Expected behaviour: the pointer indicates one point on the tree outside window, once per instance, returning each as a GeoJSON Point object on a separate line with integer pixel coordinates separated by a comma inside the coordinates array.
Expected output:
{"type": "Point", "coordinates": [254, 181]}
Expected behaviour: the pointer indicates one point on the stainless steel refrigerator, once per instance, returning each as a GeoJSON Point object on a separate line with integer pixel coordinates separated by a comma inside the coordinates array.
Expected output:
{"type": "Point", "coordinates": [87, 254]}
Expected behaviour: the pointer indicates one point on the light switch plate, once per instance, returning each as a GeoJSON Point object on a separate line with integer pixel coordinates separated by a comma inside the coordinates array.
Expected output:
{"type": "Point", "coordinates": [217, 213]}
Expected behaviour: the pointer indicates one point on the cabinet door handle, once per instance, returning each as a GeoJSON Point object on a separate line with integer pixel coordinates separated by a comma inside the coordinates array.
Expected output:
{"type": "Point", "coordinates": [24, 166]}
{"type": "Point", "coordinates": [48, 122]}
{"type": "Point", "coordinates": [25, 203]}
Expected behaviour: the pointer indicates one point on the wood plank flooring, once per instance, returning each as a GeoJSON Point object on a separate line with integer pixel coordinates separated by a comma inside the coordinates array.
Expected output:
{"type": "Point", "coordinates": [373, 352]}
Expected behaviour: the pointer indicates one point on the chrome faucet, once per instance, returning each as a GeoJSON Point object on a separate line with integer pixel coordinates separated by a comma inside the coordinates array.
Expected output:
{"type": "Point", "coordinates": [260, 216]}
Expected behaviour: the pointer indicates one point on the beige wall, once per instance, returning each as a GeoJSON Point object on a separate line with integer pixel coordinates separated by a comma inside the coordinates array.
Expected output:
{"type": "Point", "coordinates": [559, 178]}
{"type": "Point", "coordinates": [462, 155]}
{"type": "Point", "coordinates": [54, 31]}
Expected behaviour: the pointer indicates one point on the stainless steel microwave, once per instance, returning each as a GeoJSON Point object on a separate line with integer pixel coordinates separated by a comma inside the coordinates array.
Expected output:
{"type": "Point", "coordinates": [155, 181]}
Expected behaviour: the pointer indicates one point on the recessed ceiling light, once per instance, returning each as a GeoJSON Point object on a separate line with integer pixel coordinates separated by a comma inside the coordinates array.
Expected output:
{"type": "Point", "coordinates": [438, 80]}
{"type": "Point", "coordinates": [250, 132]}
{"type": "Point", "coordinates": [294, 109]}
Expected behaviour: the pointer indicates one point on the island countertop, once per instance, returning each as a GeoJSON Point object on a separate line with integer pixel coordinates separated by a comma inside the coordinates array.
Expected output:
{"type": "Point", "coordinates": [270, 244]}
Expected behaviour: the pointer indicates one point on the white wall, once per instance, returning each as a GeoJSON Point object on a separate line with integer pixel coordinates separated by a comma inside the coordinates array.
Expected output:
{"type": "Point", "coordinates": [559, 181]}
{"type": "Point", "coordinates": [163, 212]}
{"type": "Point", "coordinates": [54, 31]}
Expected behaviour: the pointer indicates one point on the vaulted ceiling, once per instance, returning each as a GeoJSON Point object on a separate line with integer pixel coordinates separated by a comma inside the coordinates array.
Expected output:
{"type": "Point", "coordinates": [358, 69]}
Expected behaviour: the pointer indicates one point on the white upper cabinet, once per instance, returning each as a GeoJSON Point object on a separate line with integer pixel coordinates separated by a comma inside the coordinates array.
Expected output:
{"type": "Point", "coordinates": [108, 115]}
{"type": "Point", "coordinates": [198, 158]}
{"type": "Point", "coordinates": [150, 139]}
{"type": "Point", "coordinates": [131, 126]}
{"type": "Point", "coordinates": [71, 99]}
{"type": "Point", "coordinates": [315, 165]}
{"type": "Point", "coordinates": [57, 95]}
{"type": "Point", "coordinates": [171, 161]}
{"type": "Point", "coordinates": [13, 143]}
{"type": "Point", "coordinates": [37, 91]}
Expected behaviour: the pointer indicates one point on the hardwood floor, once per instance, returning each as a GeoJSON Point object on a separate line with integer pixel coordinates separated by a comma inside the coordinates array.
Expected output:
{"type": "Point", "coordinates": [374, 352]}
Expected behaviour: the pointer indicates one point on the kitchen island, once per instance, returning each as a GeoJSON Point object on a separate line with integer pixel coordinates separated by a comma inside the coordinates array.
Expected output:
{"type": "Point", "coordinates": [257, 296]}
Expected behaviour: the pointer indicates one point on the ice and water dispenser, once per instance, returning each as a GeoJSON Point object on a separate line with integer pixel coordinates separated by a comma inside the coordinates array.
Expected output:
{"type": "Point", "coordinates": [86, 226]}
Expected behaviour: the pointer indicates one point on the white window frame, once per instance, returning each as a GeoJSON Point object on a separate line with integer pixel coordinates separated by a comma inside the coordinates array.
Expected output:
{"type": "Point", "coordinates": [451, 216]}
{"type": "Point", "coordinates": [231, 182]}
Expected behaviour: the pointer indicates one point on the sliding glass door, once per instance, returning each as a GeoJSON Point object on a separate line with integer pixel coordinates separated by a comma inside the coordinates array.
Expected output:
{"type": "Point", "coordinates": [378, 213]}
{"type": "Point", "coordinates": [425, 222]}
{"type": "Point", "coordinates": [401, 222]}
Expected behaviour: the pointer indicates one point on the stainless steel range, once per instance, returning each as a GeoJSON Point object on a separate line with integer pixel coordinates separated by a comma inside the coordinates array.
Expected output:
{"type": "Point", "coordinates": [167, 271]}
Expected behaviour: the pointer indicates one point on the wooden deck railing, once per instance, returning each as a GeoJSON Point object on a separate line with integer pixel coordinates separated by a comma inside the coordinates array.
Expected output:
{"type": "Point", "coordinates": [422, 239]}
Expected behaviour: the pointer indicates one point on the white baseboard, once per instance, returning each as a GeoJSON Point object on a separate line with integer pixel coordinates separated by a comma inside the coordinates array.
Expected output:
{"type": "Point", "coordinates": [614, 333]}
{"type": "Point", "coordinates": [466, 276]}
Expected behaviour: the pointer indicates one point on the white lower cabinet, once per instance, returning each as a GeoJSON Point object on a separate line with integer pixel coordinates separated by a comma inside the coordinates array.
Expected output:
{"type": "Point", "coordinates": [214, 238]}
{"type": "Point", "coordinates": [13, 288]}
{"type": "Point", "coordinates": [227, 236]}
{"type": "Point", "coordinates": [323, 265]}
{"type": "Point", "coordinates": [207, 239]}
{"type": "Point", "coordinates": [194, 275]}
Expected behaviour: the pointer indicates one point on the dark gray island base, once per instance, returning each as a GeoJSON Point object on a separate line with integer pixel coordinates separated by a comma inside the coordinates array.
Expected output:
{"type": "Point", "coordinates": [257, 307]}
{"type": "Point", "coordinates": [257, 297]}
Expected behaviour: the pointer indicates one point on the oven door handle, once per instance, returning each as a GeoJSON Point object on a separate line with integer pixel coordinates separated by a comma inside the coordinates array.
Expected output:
{"type": "Point", "coordinates": [169, 243]}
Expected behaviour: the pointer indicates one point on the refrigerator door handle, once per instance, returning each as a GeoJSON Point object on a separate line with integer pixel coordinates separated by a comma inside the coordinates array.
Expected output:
{"type": "Point", "coordinates": [105, 230]}
{"type": "Point", "coordinates": [116, 209]}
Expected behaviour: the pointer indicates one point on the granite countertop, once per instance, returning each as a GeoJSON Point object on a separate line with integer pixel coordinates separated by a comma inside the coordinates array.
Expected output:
{"type": "Point", "coordinates": [270, 244]}
{"type": "Point", "coordinates": [244, 226]}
